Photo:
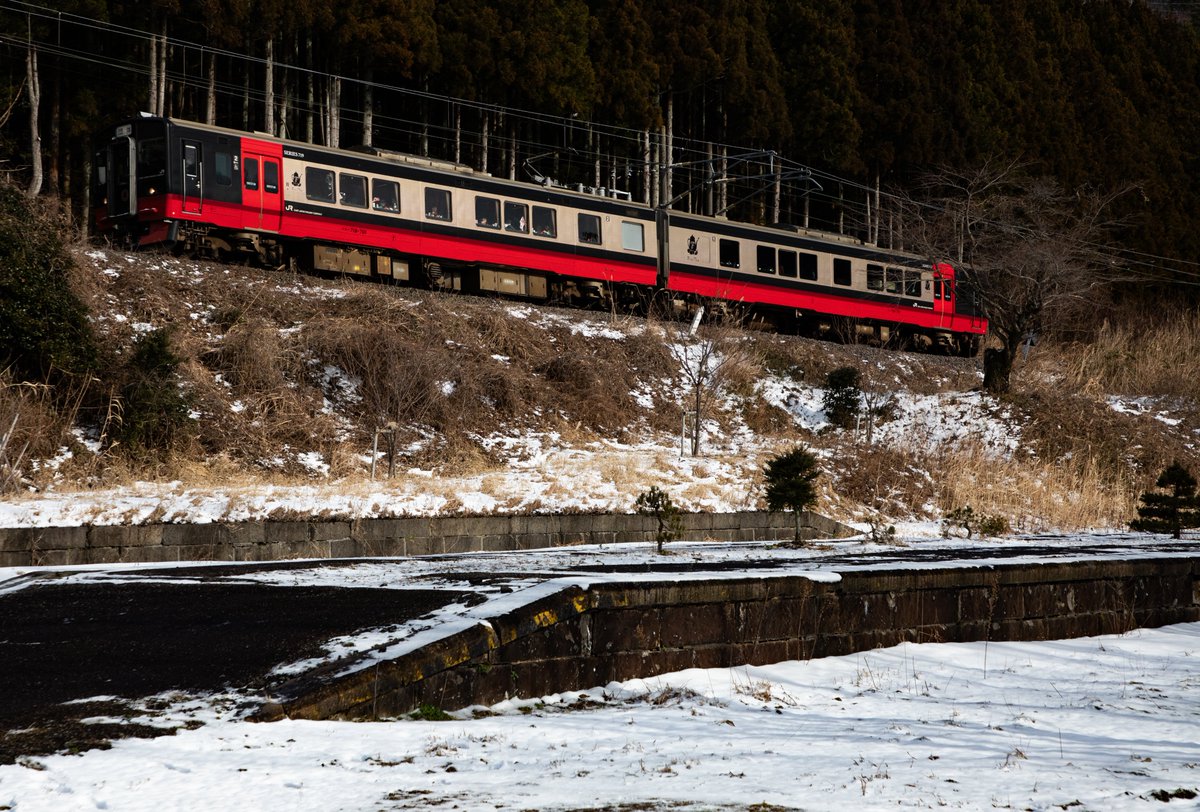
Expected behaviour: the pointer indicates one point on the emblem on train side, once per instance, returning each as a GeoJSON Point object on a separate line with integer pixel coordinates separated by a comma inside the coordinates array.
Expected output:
{"type": "Point", "coordinates": [693, 246]}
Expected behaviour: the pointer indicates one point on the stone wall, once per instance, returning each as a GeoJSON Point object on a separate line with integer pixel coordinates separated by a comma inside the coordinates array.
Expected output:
{"type": "Point", "coordinates": [580, 638]}
{"type": "Point", "coordinates": [270, 541]}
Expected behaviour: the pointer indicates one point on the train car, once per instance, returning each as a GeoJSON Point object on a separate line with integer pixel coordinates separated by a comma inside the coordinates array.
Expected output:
{"type": "Point", "coordinates": [222, 193]}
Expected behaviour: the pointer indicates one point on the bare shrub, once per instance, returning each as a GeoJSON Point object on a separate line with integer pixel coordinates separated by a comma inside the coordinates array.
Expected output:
{"type": "Point", "coordinates": [887, 480]}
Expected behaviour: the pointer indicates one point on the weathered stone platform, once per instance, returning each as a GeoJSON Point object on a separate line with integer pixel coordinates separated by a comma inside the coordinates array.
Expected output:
{"type": "Point", "coordinates": [583, 637]}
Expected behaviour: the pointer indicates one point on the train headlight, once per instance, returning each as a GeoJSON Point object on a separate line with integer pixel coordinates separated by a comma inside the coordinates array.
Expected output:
{"type": "Point", "coordinates": [151, 191]}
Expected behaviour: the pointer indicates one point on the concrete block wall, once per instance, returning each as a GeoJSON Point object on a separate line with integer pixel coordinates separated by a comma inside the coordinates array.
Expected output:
{"type": "Point", "coordinates": [578, 639]}
{"type": "Point", "coordinates": [270, 541]}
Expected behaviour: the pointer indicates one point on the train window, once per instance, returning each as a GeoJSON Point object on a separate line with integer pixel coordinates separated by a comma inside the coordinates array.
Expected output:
{"type": "Point", "coordinates": [841, 272]}
{"type": "Point", "coordinates": [487, 212]}
{"type": "Point", "coordinates": [151, 157]}
{"type": "Point", "coordinates": [516, 217]}
{"type": "Point", "coordinates": [874, 277]}
{"type": "Point", "coordinates": [912, 283]}
{"type": "Point", "coordinates": [270, 177]}
{"type": "Point", "coordinates": [808, 267]}
{"type": "Point", "coordinates": [224, 169]}
{"type": "Point", "coordinates": [545, 222]}
{"type": "Point", "coordinates": [437, 204]}
{"type": "Point", "coordinates": [937, 289]}
{"type": "Point", "coordinates": [385, 195]}
{"type": "Point", "coordinates": [250, 173]}
{"type": "Point", "coordinates": [318, 184]}
{"type": "Point", "coordinates": [787, 263]}
{"type": "Point", "coordinates": [766, 259]}
{"type": "Point", "coordinates": [632, 238]}
{"type": "Point", "coordinates": [353, 189]}
{"type": "Point", "coordinates": [589, 229]}
{"type": "Point", "coordinates": [731, 256]}
{"type": "Point", "coordinates": [893, 280]}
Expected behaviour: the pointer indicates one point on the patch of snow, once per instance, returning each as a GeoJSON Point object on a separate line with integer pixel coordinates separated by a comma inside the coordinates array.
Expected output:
{"type": "Point", "coordinates": [314, 462]}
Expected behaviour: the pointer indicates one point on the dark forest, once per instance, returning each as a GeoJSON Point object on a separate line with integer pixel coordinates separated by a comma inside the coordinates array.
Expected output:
{"type": "Point", "coordinates": [834, 104]}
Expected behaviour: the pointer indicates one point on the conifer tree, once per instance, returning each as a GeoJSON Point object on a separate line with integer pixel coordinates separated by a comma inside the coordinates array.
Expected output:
{"type": "Point", "coordinates": [1170, 512]}
{"type": "Point", "coordinates": [843, 396]}
{"type": "Point", "coordinates": [792, 483]}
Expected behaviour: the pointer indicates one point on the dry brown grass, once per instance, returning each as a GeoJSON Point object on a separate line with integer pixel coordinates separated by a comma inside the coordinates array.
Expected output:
{"type": "Point", "coordinates": [450, 371]}
{"type": "Point", "coordinates": [1146, 355]}
{"type": "Point", "coordinates": [1034, 495]}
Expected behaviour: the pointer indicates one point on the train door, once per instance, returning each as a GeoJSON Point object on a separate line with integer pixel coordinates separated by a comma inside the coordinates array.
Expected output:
{"type": "Point", "coordinates": [121, 184]}
{"type": "Point", "coordinates": [261, 194]}
{"type": "Point", "coordinates": [943, 294]}
{"type": "Point", "coordinates": [193, 175]}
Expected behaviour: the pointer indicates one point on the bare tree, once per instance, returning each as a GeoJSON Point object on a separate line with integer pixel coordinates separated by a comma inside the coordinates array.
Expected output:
{"type": "Point", "coordinates": [35, 136]}
{"type": "Point", "coordinates": [709, 356]}
{"type": "Point", "coordinates": [1031, 252]}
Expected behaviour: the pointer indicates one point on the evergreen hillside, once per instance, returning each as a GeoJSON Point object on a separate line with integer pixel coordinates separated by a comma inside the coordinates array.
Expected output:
{"type": "Point", "coordinates": [1100, 94]}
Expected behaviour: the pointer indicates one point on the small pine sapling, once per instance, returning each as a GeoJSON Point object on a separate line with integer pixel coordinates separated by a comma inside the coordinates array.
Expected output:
{"type": "Point", "coordinates": [792, 483]}
{"type": "Point", "coordinates": [843, 396]}
{"type": "Point", "coordinates": [655, 502]}
{"type": "Point", "coordinates": [1170, 512]}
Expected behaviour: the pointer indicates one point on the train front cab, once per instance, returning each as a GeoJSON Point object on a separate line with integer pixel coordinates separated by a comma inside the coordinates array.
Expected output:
{"type": "Point", "coordinates": [156, 181]}
{"type": "Point", "coordinates": [130, 182]}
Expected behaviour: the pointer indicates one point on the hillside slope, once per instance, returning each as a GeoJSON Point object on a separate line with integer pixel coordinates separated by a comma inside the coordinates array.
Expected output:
{"type": "Point", "coordinates": [502, 406]}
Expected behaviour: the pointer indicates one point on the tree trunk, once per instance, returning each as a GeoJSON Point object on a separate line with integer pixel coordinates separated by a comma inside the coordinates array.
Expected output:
{"type": "Point", "coordinates": [368, 119]}
{"type": "Point", "coordinates": [646, 171]}
{"type": "Point", "coordinates": [246, 93]}
{"type": "Point", "coordinates": [669, 147]}
{"type": "Point", "coordinates": [285, 106]}
{"type": "Point", "coordinates": [696, 421]}
{"type": "Point", "coordinates": [334, 112]}
{"type": "Point", "coordinates": [35, 135]}
{"type": "Point", "coordinates": [210, 106]}
{"type": "Point", "coordinates": [85, 209]}
{"type": "Point", "coordinates": [777, 205]}
{"type": "Point", "coordinates": [162, 71]}
{"type": "Point", "coordinates": [723, 190]}
{"type": "Point", "coordinates": [425, 120]}
{"type": "Point", "coordinates": [997, 369]}
{"type": "Point", "coordinates": [152, 101]}
{"type": "Point", "coordinates": [269, 89]}
{"type": "Point", "coordinates": [483, 143]}
{"type": "Point", "coordinates": [512, 151]}
{"type": "Point", "coordinates": [55, 176]}
{"type": "Point", "coordinates": [310, 92]}
{"type": "Point", "coordinates": [655, 175]}
{"type": "Point", "coordinates": [796, 518]}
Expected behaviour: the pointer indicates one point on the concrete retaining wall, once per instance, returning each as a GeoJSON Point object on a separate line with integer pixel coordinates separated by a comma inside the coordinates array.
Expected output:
{"type": "Point", "coordinates": [270, 541]}
{"type": "Point", "coordinates": [579, 638]}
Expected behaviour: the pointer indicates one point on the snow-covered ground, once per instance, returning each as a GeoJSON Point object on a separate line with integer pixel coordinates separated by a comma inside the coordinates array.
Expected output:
{"type": "Point", "coordinates": [1099, 723]}
{"type": "Point", "coordinates": [540, 472]}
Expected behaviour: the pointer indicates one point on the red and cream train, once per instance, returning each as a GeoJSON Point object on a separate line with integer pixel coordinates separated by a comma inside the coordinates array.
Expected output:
{"type": "Point", "coordinates": [222, 192]}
